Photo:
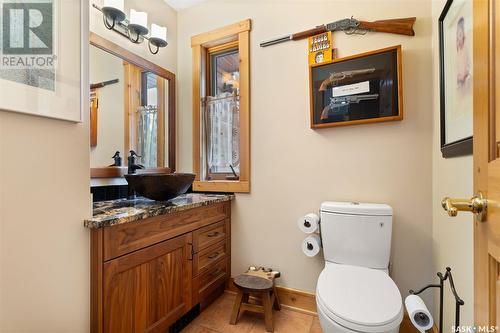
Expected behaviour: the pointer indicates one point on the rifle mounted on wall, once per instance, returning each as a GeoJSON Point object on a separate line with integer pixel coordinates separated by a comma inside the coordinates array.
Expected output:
{"type": "Point", "coordinates": [103, 84]}
{"type": "Point", "coordinates": [351, 26]}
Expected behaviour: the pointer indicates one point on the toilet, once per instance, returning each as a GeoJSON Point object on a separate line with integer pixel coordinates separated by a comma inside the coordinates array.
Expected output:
{"type": "Point", "coordinates": [354, 292]}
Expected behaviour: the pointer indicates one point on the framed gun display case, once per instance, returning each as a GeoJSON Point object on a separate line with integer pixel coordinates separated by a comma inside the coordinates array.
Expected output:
{"type": "Point", "coordinates": [359, 89]}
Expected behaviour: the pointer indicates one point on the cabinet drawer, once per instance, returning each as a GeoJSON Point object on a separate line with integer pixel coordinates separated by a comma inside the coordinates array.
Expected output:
{"type": "Point", "coordinates": [209, 235]}
{"type": "Point", "coordinates": [207, 258]}
{"type": "Point", "coordinates": [128, 237]}
{"type": "Point", "coordinates": [206, 283]}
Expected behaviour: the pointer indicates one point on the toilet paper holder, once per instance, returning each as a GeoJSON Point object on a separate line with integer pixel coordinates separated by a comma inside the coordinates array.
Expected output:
{"type": "Point", "coordinates": [458, 301]}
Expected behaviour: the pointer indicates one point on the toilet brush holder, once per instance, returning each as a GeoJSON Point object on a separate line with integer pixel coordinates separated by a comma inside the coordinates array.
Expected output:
{"type": "Point", "coordinates": [458, 301]}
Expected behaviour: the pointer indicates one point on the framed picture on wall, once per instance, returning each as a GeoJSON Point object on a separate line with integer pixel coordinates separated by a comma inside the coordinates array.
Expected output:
{"type": "Point", "coordinates": [455, 60]}
{"type": "Point", "coordinates": [359, 89]}
{"type": "Point", "coordinates": [38, 75]}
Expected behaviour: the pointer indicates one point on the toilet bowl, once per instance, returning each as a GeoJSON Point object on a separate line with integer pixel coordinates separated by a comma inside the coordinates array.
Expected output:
{"type": "Point", "coordinates": [357, 299]}
{"type": "Point", "coordinates": [354, 291]}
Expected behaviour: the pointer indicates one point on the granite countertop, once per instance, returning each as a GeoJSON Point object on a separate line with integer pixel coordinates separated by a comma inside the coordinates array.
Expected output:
{"type": "Point", "coordinates": [113, 212]}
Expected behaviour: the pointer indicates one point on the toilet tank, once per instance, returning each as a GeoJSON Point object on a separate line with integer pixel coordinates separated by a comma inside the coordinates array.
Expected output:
{"type": "Point", "coordinates": [356, 234]}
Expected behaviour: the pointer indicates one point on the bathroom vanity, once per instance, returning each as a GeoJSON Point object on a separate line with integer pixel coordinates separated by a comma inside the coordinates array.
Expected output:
{"type": "Point", "coordinates": [152, 262]}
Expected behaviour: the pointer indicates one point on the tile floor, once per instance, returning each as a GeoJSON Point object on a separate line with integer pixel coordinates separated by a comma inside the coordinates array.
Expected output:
{"type": "Point", "coordinates": [215, 319]}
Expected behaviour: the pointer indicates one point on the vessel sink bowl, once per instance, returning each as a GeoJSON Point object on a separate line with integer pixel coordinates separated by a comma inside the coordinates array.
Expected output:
{"type": "Point", "coordinates": [160, 186]}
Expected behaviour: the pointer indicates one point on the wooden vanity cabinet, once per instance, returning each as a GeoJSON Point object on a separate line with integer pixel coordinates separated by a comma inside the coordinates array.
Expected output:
{"type": "Point", "coordinates": [147, 288]}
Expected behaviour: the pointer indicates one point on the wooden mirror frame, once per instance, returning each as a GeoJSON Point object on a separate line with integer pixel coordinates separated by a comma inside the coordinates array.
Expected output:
{"type": "Point", "coordinates": [114, 49]}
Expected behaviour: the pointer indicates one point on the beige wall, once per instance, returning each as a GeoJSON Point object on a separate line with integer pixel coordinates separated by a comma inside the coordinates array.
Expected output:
{"type": "Point", "coordinates": [295, 168]}
{"type": "Point", "coordinates": [452, 237]}
{"type": "Point", "coordinates": [104, 66]}
{"type": "Point", "coordinates": [44, 248]}
{"type": "Point", "coordinates": [44, 197]}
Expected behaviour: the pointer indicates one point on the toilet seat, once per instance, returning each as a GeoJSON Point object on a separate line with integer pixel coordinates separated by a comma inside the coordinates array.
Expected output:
{"type": "Point", "coordinates": [358, 298]}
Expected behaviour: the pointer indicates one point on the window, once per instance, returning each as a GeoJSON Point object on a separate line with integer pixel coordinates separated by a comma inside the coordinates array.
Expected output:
{"type": "Point", "coordinates": [149, 91]}
{"type": "Point", "coordinates": [220, 109]}
{"type": "Point", "coordinates": [221, 113]}
{"type": "Point", "coordinates": [224, 71]}
{"type": "Point", "coordinates": [147, 138]}
{"type": "Point", "coordinates": [145, 102]}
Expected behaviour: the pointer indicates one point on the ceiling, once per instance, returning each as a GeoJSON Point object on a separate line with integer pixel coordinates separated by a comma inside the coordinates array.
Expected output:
{"type": "Point", "coordinates": [182, 4]}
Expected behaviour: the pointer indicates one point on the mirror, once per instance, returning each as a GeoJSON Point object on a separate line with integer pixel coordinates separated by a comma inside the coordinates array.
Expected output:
{"type": "Point", "coordinates": [132, 107]}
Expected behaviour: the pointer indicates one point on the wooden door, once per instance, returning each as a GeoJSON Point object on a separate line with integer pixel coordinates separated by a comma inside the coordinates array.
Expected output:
{"type": "Point", "coordinates": [148, 290]}
{"type": "Point", "coordinates": [487, 161]}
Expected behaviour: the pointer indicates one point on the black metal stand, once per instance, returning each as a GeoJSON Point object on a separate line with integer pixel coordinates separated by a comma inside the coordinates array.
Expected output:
{"type": "Point", "coordinates": [458, 301]}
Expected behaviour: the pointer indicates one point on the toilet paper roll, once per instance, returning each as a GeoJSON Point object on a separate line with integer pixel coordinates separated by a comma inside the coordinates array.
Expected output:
{"type": "Point", "coordinates": [309, 223]}
{"type": "Point", "coordinates": [311, 245]}
{"type": "Point", "coordinates": [419, 314]}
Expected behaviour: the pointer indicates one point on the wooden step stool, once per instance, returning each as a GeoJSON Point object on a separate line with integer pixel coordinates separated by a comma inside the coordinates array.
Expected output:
{"type": "Point", "coordinates": [258, 282]}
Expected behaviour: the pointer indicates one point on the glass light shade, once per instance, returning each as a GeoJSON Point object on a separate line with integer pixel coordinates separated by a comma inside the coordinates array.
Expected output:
{"type": "Point", "coordinates": [139, 18]}
{"type": "Point", "coordinates": [117, 4]}
{"type": "Point", "coordinates": [159, 32]}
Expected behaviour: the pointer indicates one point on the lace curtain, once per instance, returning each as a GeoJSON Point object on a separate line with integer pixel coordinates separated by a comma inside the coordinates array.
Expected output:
{"type": "Point", "coordinates": [222, 119]}
{"type": "Point", "coordinates": [147, 135]}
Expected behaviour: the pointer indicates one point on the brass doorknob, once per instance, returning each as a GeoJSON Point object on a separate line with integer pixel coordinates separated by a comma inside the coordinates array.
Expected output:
{"type": "Point", "coordinates": [477, 205]}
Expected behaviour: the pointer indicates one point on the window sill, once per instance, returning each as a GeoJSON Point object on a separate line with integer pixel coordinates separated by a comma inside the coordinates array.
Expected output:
{"type": "Point", "coordinates": [236, 186]}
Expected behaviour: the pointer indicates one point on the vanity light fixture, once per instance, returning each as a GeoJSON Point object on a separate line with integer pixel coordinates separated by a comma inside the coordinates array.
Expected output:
{"type": "Point", "coordinates": [112, 11]}
{"type": "Point", "coordinates": [138, 25]}
{"type": "Point", "coordinates": [134, 28]}
{"type": "Point", "coordinates": [158, 38]}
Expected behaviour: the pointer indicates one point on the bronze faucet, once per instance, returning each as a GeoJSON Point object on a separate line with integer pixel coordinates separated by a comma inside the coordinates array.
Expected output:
{"type": "Point", "coordinates": [132, 166]}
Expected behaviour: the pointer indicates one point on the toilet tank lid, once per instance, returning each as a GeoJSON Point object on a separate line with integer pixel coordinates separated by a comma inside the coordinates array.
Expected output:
{"type": "Point", "coordinates": [356, 208]}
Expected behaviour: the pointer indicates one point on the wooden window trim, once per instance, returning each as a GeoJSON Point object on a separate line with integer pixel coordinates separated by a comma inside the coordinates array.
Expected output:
{"type": "Point", "coordinates": [94, 109]}
{"type": "Point", "coordinates": [132, 100]}
{"type": "Point", "coordinates": [239, 34]}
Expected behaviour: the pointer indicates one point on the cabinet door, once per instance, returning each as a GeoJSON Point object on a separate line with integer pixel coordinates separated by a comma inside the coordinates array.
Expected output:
{"type": "Point", "coordinates": [148, 290]}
